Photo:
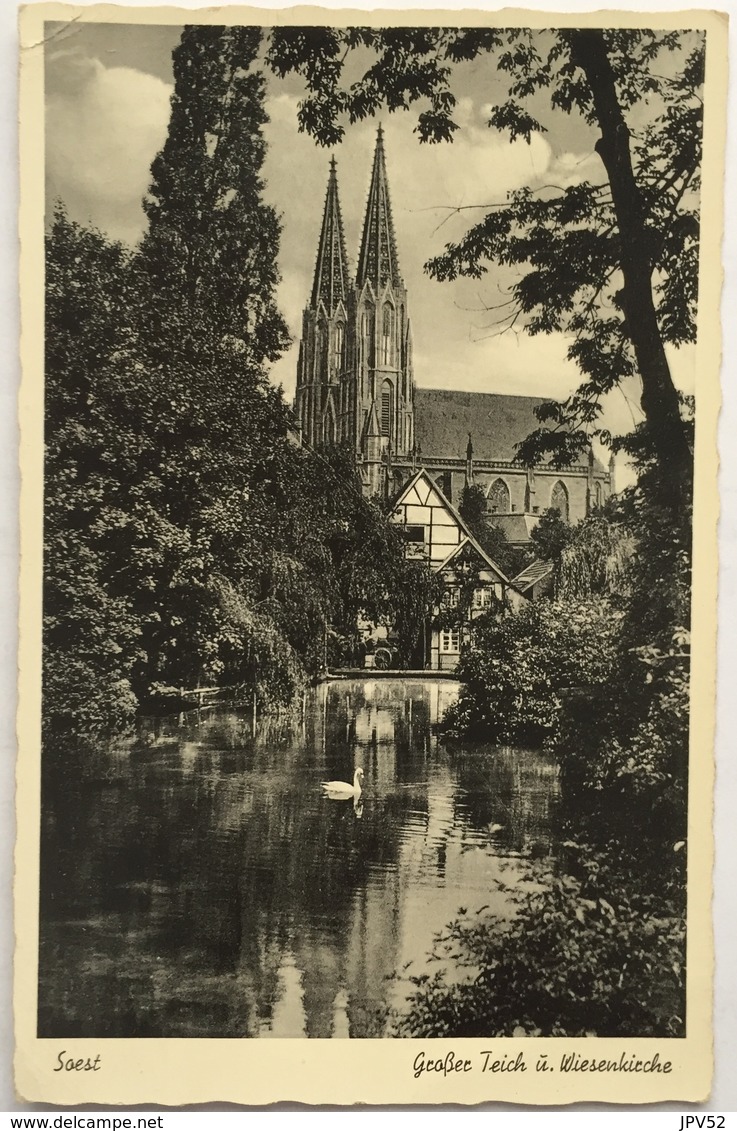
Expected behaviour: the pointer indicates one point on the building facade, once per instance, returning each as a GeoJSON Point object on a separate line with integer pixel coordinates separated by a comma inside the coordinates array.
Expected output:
{"type": "Point", "coordinates": [355, 385]}
{"type": "Point", "coordinates": [472, 582]}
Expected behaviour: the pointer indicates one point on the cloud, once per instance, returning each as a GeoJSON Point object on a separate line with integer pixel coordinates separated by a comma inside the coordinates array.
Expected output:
{"type": "Point", "coordinates": [436, 191]}
{"type": "Point", "coordinates": [574, 168]}
{"type": "Point", "coordinates": [104, 126]}
{"type": "Point", "coordinates": [511, 363]}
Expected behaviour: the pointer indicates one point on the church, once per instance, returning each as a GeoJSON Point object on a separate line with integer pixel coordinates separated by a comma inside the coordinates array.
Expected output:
{"type": "Point", "coordinates": [356, 385]}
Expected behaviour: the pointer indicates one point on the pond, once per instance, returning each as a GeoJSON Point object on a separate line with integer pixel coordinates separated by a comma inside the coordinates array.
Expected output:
{"type": "Point", "coordinates": [196, 882]}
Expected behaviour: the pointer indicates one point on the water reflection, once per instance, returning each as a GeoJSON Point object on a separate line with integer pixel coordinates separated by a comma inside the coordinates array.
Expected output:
{"type": "Point", "coordinates": [200, 884]}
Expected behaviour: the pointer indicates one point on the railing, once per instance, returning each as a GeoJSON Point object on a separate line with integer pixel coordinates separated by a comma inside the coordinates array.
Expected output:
{"type": "Point", "coordinates": [451, 464]}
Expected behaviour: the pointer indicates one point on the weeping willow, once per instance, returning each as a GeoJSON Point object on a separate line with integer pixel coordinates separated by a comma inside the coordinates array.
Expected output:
{"type": "Point", "coordinates": [596, 562]}
{"type": "Point", "coordinates": [269, 664]}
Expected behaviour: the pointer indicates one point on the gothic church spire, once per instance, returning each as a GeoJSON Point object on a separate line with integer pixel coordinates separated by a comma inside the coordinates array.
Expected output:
{"type": "Point", "coordinates": [331, 282]}
{"type": "Point", "coordinates": [377, 260]}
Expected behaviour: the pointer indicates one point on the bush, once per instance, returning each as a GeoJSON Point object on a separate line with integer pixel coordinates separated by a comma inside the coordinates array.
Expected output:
{"type": "Point", "coordinates": [588, 953]}
{"type": "Point", "coordinates": [521, 666]}
{"type": "Point", "coordinates": [631, 747]}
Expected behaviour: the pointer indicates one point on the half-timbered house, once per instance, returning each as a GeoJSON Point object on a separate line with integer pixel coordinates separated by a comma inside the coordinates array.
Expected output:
{"type": "Point", "coordinates": [436, 533]}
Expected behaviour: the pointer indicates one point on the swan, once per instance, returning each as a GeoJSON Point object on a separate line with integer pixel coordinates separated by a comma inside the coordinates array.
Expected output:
{"type": "Point", "coordinates": [338, 789]}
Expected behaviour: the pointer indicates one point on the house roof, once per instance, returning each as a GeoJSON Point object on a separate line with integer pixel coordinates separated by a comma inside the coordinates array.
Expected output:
{"type": "Point", "coordinates": [467, 540]}
{"type": "Point", "coordinates": [497, 423]}
{"type": "Point", "coordinates": [532, 573]}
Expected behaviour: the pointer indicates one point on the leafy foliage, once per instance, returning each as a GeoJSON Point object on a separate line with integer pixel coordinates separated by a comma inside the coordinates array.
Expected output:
{"type": "Point", "coordinates": [490, 536]}
{"type": "Point", "coordinates": [520, 666]}
{"type": "Point", "coordinates": [551, 535]}
{"type": "Point", "coordinates": [91, 630]}
{"type": "Point", "coordinates": [595, 559]}
{"type": "Point", "coordinates": [189, 541]}
{"type": "Point", "coordinates": [588, 953]}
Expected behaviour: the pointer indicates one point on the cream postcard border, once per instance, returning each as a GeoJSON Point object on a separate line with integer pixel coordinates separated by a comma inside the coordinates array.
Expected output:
{"type": "Point", "coordinates": [177, 1072]}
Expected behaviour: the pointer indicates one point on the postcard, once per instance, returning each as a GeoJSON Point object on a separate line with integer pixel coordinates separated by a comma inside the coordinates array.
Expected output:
{"type": "Point", "coordinates": [369, 478]}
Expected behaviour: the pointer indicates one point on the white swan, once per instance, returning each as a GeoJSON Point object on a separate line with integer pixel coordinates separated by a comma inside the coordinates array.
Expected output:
{"type": "Point", "coordinates": [343, 789]}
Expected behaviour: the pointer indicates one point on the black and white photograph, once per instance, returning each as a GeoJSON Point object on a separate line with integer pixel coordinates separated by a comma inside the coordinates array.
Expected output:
{"type": "Point", "coordinates": [375, 440]}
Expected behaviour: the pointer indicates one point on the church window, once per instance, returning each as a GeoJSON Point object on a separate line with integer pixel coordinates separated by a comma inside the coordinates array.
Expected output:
{"type": "Point", "coordinates": [402, 350]}
{"type": "Point", "coordinates": [329, 427]}
{"type": "Point", "coordinates": [499, 497]}
{"type": "Point", "coordinates": [387, 334]}
{"type": "Point", "coordinates": [320, 350]}
{"type": "Point", "coordinates": [598, 495]}
{"type": "Point", "coordinates": [368, 333]}
{"type": "Point", "coordinates": [450, 640]}
{"type": "Point", "coordinates": [387, 408]}
{"type": "Point", "coordinates": [338, 347]}
{"type": "Point", "coordinates": [559, 500]}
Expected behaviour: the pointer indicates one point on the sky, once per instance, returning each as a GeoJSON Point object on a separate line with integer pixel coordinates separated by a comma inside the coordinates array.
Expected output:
{"type": "Point", "coordinates": [108, 88]}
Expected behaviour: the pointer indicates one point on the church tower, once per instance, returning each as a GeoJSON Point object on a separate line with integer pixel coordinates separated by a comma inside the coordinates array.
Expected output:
{"type": "Point", "coordinates": [323, 350]}
{"type": "Point", "coordinates": [354, 378]}
{"type": "Point", "coordinates": [382, 375]}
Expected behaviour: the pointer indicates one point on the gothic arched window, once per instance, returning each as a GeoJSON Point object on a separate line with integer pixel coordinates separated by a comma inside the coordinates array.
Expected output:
{"type": "Point", "coordinates": [387, 334]}
{"type": "Point", "coordinates": [338, 346]}
{"type": "Point", "coordinates": [368, 333]}
{"type": "Point", "coordinates": [329, 430]}
{"type": "Point", "coordinates": [598, 495]}
{"type": "Point", "coordinates": [499, 497]}
{"type": "Point", "coordinates": [559, 500]}
{"type": "Point", "coordinates": [387, 408]}
{"type": "Point", "coordinates": [321, 341]}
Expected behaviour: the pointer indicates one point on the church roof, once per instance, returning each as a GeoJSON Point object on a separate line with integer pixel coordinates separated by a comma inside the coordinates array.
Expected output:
{"type": "Point", "coordinates": [444, 418]}
{"type": "Point", "coordinates": [377, 257]}
{"type": "Point", "coordinates": [331, 281]}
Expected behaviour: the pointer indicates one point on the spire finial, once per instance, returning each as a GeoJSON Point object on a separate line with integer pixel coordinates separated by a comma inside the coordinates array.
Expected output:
{"type": "Point", "coordinates": [377, 259]}
{"type": "Point", "coordinates": [331, 269]}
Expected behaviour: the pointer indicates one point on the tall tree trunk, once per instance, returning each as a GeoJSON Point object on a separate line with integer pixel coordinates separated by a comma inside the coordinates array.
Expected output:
{"type": "Point", "coordinates": [659, 396]}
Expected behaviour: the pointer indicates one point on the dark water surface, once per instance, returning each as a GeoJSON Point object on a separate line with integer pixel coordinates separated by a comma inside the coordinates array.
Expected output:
{"type": "Point", "coordinates": [196, 883]}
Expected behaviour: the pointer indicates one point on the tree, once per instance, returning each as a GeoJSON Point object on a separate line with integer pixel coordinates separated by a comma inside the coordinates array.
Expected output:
{"type": "Point", "coordinates": [212, 241]}
{"type": "Point", "coordinates": [490, 536]}
{"type": "Point", "coordinates": [163, 432]}
{"type": "Point", "coordinates": [613, 264]}
{"type": "Point", "coordinates": [596, 559]}
{"type": "Point", "coordinates": [207, 327]}
{"type": "Point", "coordinates": [551, 535]}
{"type": "Point", "coordinates": [91, 632]}
{"type": "Point", "coordinates": [472, 506]}
{"type": "Point", "coordinates": [519, 667]}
